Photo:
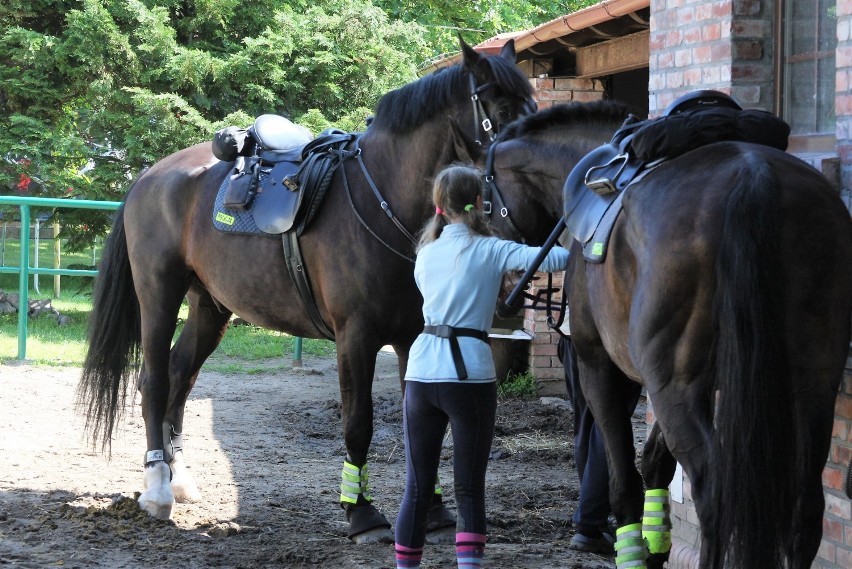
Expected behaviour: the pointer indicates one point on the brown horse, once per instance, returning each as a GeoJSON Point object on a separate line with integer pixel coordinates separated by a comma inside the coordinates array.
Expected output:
{"type": "Point", "coordinates": [163, 248]}
{"type": "Point", "coordinates": [726, 291]}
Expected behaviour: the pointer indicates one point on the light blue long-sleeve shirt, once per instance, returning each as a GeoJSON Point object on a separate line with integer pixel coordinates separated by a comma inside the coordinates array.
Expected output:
{"type": "Point", "coordinates": [459, 275]}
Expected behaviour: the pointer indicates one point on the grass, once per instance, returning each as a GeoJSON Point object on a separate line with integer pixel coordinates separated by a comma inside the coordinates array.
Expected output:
{"type": "Point", "coordinates": [244, 349]}
{"type": "Point", "coordinates": [518, 386]}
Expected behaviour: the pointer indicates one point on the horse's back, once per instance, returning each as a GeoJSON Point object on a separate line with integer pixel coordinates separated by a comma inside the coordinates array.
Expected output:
{"type": "Point", "coordinates": [658, 286]}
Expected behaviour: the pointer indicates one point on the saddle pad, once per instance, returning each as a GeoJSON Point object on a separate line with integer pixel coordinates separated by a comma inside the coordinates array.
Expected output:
{"type": "Point", "coordinates": [232, 221]}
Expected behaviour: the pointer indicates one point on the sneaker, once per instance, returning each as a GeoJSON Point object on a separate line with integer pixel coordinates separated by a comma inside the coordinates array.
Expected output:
{"type": "Point", "coordinates": [602, 544]}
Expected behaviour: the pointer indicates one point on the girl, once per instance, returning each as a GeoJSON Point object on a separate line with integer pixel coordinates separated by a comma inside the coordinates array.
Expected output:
{"type": "Point", "coordinates": [450, 375]}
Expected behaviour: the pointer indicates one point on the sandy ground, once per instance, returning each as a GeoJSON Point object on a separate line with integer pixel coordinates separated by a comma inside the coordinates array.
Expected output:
{"type": "Point", "coordinates": [266, 451]}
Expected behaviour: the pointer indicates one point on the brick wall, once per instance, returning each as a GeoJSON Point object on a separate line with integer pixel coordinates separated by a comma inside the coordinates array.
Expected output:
{"type": "Point", "coordinates": [836, 548]}
{"type": "Point", "coordinates": [542, 360]}
{"type": "Point", "coordinates": [724, 45]}
{"type": "Point", "coordinates": [843, 104]}
{"type": "Point", "coordinates": [556, 90]}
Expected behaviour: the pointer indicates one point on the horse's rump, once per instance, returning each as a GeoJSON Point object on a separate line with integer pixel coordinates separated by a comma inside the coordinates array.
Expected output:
{"type": "Point", "coordinates": [742, 257]}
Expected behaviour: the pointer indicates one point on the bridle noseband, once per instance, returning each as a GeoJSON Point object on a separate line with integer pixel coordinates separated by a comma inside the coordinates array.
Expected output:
{"type": "Point", "coordinates": [479, 109]}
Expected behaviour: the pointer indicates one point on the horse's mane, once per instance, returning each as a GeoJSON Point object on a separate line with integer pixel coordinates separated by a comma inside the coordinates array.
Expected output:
{"type": "Point", "coordinates": [406, 108]}
{"type": "Point", "coordinates": [604, 112]}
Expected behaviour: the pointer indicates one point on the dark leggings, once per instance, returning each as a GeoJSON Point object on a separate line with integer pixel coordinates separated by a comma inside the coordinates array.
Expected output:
{"type": "Point", "coordinates": [470, 409]}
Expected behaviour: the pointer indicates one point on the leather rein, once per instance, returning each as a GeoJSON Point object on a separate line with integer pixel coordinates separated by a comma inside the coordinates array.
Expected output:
{"type": "Point", "coordinates": [485, 125]}
{"type": "Point", "coordinates": [491, 199]}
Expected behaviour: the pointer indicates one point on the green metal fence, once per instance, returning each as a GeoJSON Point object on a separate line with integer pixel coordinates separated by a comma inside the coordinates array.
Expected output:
{"type": "Point", "coordinates": [23, 269]}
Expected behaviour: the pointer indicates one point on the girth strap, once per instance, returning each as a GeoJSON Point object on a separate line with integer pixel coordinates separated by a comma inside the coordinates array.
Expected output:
{"type": "Point", "coordinates": [298, 273]}
{"type": "Point", "coordinates": [452, 333]}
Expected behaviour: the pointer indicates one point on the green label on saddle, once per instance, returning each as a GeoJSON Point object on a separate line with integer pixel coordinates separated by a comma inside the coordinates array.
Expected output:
{"type": "Point", "coordinates": [224, 218]}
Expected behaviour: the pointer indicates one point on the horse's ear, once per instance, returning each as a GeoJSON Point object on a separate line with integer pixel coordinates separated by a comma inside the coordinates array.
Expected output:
{"type": "Point", "coordinates": [508, 51]}
{"type": "Point", "coordinates": [467, 150]}
{"type": "Point", "coordinates": [470, 56]}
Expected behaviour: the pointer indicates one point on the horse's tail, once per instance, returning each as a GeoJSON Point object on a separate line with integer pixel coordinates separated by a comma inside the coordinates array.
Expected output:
{"type": "Point", "coordinates": [751, 478]}
{"type": "Point", "coordinates": [114, 336]}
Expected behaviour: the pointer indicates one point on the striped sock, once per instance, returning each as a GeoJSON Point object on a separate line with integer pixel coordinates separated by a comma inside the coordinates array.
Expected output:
{"type": "Point", "coordinates": [408, 557]}
{"type": "Point", "coordinates": [470, 549]}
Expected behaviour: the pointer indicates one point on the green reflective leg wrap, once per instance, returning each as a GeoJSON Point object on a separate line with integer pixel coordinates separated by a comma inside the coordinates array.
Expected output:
{"type": "Point", "coordinates": [438, 490]}
{"type": "Point", "coordinates": [657, 522]}
{"type": "Point", "coordinates": [630, 550]}
{"type": "Point", "coordinates": [355, 482]}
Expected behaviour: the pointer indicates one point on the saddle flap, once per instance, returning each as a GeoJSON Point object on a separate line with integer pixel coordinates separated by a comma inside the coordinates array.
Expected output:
{"type": "Point", "coordinates": [584, 208]}
{"type": "Point", "coordinates": [275, 206]}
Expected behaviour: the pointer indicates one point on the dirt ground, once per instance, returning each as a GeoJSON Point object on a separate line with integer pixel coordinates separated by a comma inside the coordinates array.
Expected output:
{"type": "Point", "coordinates": [266, 451]}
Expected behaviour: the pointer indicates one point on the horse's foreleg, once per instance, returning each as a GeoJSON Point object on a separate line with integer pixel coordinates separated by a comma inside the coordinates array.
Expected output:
{"type": "Point", "coordinates": [356, 365]}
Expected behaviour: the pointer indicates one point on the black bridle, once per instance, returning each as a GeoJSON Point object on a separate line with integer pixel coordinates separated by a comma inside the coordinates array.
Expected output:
{"type": "Point", "coordinates": [492, 199]}
{"type": "Point", "coordinates": [479, 109]}
{"type": "Point", "coordinates": [485, 125]}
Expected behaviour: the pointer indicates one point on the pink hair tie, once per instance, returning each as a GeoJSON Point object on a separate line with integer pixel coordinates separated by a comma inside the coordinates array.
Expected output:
{"type": "Point", "coordinates": [439, 211]}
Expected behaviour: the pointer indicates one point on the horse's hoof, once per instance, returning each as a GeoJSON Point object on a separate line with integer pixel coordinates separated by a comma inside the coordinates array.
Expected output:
{"type": "Point", "coordinates": [159, 511]}
{"type": "Point", "coordinates": [657, 560]}
{"type": "Point", "coordinates": [439, 517]}
{"type": "Point", "coordinates": [184, 487]}
{"type": "Point", "coordinates": [442, 536]}
{"type": "Point", "coordinates": [157, 499]}
{"type": "Point", "coordinates": [368, 525]}
{"type": "Point", "coordinates": [375, 535]}
{"type": "Point", "coordinates": [186, 492]}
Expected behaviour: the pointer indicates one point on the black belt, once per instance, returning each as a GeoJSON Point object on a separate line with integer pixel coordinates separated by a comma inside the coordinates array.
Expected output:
{"type": "Point", "coordinates": [452, 333]}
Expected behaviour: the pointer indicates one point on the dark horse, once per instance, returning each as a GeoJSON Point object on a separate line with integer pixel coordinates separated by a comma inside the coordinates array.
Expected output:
{"type": "Point", "coordinates": [163, 248]}
{"type": "Point", "coordinates": [727, 292]}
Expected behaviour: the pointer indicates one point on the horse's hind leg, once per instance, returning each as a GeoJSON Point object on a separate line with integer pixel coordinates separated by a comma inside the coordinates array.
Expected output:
{"type": "Point", "coordinates": [202, 332]}
{"type": "Point", "coordinates": [166, 379]}
{"type": "Point", "coordinates": [814, 416]}
{"type": "Point", "coordinates": [658, 468]}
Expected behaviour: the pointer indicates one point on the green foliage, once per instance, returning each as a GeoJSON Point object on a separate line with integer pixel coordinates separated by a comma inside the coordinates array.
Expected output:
{"type": "Point", "coordinates": [476, 22]}
{"type": "Point", "coordinates": [94, 91]}
{"type": "Point", "coordinates": [518, 386]}
{"type": "Point", "coordinates": [244, 349]}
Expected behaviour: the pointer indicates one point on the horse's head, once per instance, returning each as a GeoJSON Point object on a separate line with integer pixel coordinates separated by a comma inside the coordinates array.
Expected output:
{"type": "Point", "coordinates": [499, 92]}
{"type": "Point", "coordinates": [482, 94]}
{"type": "Point", "coordinates": [526, 166]}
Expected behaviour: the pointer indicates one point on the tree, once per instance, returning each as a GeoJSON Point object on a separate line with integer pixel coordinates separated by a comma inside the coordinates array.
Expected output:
{"type": "Point", "coordinates": [95, 91]}
{"type": "Point", "coordinates": [445, 20]}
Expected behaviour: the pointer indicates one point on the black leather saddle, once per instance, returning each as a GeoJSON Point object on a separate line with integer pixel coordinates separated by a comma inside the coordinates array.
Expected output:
{"type": "Point", "coordinates": [280, 175]}
{"type": "Point", "coordinates": [593, 191]}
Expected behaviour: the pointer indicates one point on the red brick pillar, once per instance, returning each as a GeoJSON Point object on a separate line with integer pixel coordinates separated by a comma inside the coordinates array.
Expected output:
{"type": "Point", "coordinates": [542, 360]}
{"type": "Point", "coordinates": [558, 90]}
